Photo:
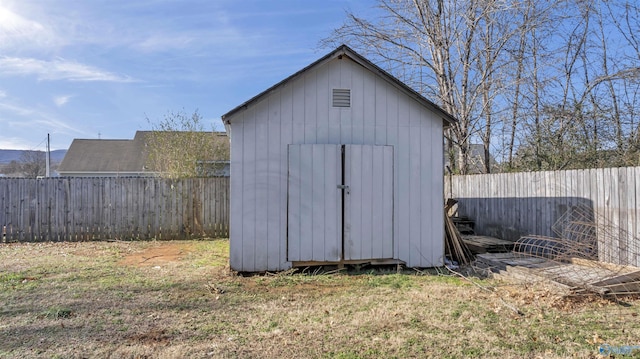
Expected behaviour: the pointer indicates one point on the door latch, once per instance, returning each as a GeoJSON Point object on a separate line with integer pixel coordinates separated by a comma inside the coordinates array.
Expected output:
{"type": "Point", "coordinates": [344, 186]}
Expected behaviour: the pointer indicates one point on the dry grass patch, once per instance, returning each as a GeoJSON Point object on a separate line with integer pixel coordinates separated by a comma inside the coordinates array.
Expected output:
{"type": "Point", "coordinates": [179, 299]}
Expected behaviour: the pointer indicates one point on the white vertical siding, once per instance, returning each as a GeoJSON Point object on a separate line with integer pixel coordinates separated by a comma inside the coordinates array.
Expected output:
{"type": "Point", "coordinates": [433, 180]}
{"type": "Point", "coordinates": [415, 187]}
{"type": "Point", "coordinates": [322, 105]}
{"type": "Point", "coordinates": [236, 196]}
{"type": "Point", "coordinates": [310, 106]}
{"type": "Point", "coordinates": [261, 188]}
{"type": "Point", "coordinates": [273, 176]}
{"type": "Point", "coordinates": [286, 136]}
{"type": "Point", "coordinates": [403, 194]}
{"type": "Point", "coordinates": [387, 199]}
{"type": "Point", "coordinates": [380, 105]}
{"type": "Point", "coordinates": [300, 112]}
{"type": "Point", "coordinates": [357, 75]}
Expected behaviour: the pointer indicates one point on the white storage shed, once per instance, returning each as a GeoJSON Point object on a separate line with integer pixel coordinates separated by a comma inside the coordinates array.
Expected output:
{"type": "Point", "coordinates": [339, 163]}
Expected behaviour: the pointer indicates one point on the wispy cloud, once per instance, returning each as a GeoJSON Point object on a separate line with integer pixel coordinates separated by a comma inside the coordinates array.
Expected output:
{"type": "Point", "coordinates": [61, 100]}
{"type": "Point", "coordinates": [14, 143]}
{"type": "Point", "coordinates": [19, 124]}
{"type": "Point", "coordinates": [78, 67]}
{"type": "Point", "coordinates": [17, 116]}
{"type": "Point", "coordinates": [16, 30]}
{"type": "Point", "coordinates": [14, 109]}
{"type": "Point", "coordinates": [58, 69]}
{"type": "Point", "coordinates": [12, 24]}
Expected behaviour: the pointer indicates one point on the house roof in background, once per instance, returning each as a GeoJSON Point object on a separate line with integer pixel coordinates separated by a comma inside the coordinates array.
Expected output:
{"type": "Point", "coordinates": [108, 156]}
{"type": "Point", "coordinates": [104, 156]}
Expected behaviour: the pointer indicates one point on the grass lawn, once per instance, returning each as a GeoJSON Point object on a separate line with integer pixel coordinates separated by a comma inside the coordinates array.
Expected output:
{"type": "Point", "coordinates": [179, 299]}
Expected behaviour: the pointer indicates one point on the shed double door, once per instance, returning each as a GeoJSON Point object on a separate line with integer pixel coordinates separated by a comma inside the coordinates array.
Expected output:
{"type": "Point", "coordinates": [340, 202]}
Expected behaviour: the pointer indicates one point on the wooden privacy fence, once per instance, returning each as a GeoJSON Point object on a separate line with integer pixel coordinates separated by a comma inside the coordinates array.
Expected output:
{"type": "Point", "coordinates": [80, 208]}
{"type": "Point", "coordinates": [510, 205]}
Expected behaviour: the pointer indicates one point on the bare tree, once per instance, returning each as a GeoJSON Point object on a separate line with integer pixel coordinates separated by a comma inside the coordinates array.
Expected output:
{"type": "Point", "coordinates": [454, 52]}
{"type": "Point", "coordinates": [33, 164]}
{"type": "Point", "coordinates": [540, 73]}
{"type": "Point", "coordinates": [587, 110]}
{"type": "Point", "coordinates": [179, 146]}
{"type": "Point", "coordinates": [535, 19]}
{"type": "Point", "coordinates": [12, 168]}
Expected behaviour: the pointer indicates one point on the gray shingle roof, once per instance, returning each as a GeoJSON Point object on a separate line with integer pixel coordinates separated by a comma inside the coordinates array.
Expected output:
{"type": "Point", "coordinates": [104, 156]}
{"type": "Point", "coordinates": [126, 157]}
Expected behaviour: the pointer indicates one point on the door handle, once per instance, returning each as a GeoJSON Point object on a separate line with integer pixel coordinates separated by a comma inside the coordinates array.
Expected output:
{"type": "Point", "coordinates": [344, 186]}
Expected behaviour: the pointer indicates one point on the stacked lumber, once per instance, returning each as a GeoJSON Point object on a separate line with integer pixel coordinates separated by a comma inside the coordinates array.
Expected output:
{"type": "Point", "coordinates": [486, 244]}
{"type": "Point", "coordinates": [577, 275]}
{"type": "Point", "coordinates": [455, 248]}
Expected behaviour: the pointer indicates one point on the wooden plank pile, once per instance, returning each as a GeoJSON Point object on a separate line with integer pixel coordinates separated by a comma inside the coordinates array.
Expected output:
{"type": "Point", "coordinates": [455, 248]}
{"type": "Point", "coordinates": [465, 228]}
{"type": "Point", "coordinates": [486, 244]}
{"type": "Point", "coordinates": [577, 275]}
{"type": "Point", "coordinates": [578, 259]}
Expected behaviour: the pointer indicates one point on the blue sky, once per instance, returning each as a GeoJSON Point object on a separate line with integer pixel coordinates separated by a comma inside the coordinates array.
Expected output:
{"type": "Point", "coordinates": [100, 68]}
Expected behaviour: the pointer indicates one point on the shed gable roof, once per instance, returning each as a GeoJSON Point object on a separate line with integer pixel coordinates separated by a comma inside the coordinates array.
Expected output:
{"type": "Point", "coordinates": [344, 50]}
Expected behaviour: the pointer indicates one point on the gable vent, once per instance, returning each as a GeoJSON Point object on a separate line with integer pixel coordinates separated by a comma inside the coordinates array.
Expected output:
{"type": "Point", "coordinates": [341, 98]}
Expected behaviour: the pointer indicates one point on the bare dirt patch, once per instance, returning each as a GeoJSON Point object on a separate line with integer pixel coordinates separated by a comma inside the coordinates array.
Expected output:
{"type": "Point", "coordinates": [157, 255]}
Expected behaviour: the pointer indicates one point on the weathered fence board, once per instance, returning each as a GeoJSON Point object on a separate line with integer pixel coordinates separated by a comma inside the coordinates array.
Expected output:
{"type": "Point", "coordinates": [510, 205]}
{"type": "Point", "coordinates": [81, 209]}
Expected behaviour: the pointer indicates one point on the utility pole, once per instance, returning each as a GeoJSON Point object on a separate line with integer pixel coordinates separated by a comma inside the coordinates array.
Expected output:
{"type": "Point", "coordinates": [48, 157]}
